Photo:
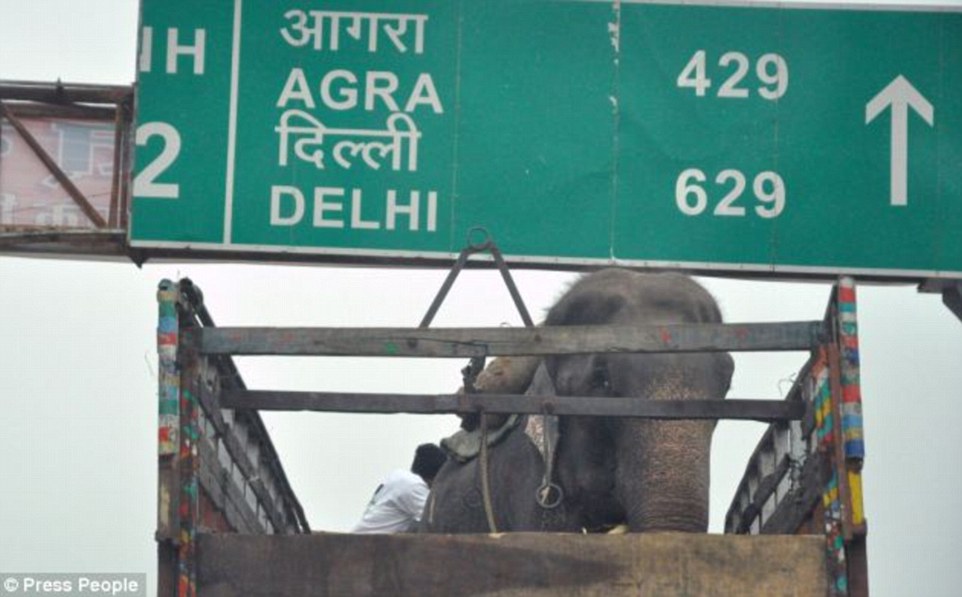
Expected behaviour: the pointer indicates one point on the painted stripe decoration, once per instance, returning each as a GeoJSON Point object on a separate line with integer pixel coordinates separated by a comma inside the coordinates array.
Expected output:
{"type": "Point", "coordinates": [177, 433]}
{"type": "Point", "coordinates": [834, 538]}
{"type": "Point", "coordinates": [168, 393]}
{"type": "Point", "coordinates": [830, 493]}
{"type": "Point", "coordinates": [855, 488]}
{"type": "Point", "coordinates": [839, 513]}
{"type": "Point", "coordinates": [853, 439]}
{"type": "Point", "coordinates": [852, 429]}
{"type": "Point", "coordinates": [823, 404]}
{"type": "Point", "coordinates": [831, 503]}
{"type": "Point", "coordinates": [189, 491]}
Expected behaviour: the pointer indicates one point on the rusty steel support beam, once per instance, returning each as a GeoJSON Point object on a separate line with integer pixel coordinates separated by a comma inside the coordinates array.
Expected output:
{"type": "Point", "coordinates": [63, 93]}
{"type": "Point", "coordinates": [125, 112]}
{"type": "Point", "coordinates": [54, 168]}
{"type": "Point", "coordinates": [22, 237]}
{"type": "Point", "coordinates": [113, 217]}
{"type": "Point", "coordinates": [78, 111]}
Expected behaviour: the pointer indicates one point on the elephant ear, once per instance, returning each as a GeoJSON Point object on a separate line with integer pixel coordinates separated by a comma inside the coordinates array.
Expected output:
{"type": "Point", "coordinates": [725, 368]}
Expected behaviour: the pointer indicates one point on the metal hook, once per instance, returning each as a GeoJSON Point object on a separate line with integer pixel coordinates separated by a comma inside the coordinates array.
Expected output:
{"type": "Point", "coordinates": [549, 495]}
{"type": "Point", "coordinates": [483, 244]}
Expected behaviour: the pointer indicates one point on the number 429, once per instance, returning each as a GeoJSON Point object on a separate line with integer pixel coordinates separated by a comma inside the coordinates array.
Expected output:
{"type": "Point", "coordinates": [771, 70]}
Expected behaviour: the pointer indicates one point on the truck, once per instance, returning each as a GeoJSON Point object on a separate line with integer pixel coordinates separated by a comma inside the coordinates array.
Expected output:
{"type": "Point", "coordinates": [229, 522]}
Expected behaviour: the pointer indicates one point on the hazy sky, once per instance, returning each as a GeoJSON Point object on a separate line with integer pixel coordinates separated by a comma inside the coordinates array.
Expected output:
{"type": "Point", "coordinates": [78, 373]}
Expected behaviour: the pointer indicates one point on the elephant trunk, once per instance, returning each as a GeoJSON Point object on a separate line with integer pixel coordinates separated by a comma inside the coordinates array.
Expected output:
{"type": "Point", "coordinates": [663, 468]}
{"type": "Point", "coordinates": [664, 487]}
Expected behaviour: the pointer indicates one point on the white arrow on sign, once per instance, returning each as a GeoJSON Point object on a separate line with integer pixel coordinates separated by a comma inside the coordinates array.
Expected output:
{"type": "Point", "coordinates": [900, 95]}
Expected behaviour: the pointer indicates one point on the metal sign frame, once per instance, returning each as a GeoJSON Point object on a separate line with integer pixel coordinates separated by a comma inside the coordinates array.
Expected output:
{"type": "Point", "coordinates": [105, 236]}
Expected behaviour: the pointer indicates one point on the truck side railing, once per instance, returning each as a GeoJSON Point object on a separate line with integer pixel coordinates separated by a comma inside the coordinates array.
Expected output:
{"type": "Point", "coordinates": [217, 468]}
{"type": "Point", "coordinates": [805, 476]}
{"type": "Point", "coordinates": [217, 418]}
{"type": "Point", "coordinates": [474, 342]}
{"type": "Point", "coordinates": [770, 497]}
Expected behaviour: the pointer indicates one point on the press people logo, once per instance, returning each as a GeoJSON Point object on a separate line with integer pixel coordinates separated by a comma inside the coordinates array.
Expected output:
{"type": "Point", "coordinates": [74, 584]}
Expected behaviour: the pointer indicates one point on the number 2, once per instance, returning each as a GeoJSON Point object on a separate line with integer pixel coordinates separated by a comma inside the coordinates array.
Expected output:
{"type": "Point", "coordinates": [145, 184]}
{"type": "Point", "coordinates": [725, 207]}
{"type": "Point", "coordinates": [728, 88]}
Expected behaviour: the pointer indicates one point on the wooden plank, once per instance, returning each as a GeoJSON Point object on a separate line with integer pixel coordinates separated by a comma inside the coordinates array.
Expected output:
{"type": "Point", "coordinates": [511, 564]}
{"type": "Point", "coordinates": [742, 505]}
{"type": "Point", "coordinates": [471, 342]}
{"type": "Point", "coordinates": [794, 510]}
{"type": "Point", "coordinates": [239, 456]}
{"type": "Point", "coordinates": [758, 410]}
{"type": "Point", "coordinates": [285, 511]}
{"type": "Point", "coordinates": [808, 422]}
{"type": "Point", "coordinates": [220, 488]}
{"type": "Point", "coordinates": [766, 487]}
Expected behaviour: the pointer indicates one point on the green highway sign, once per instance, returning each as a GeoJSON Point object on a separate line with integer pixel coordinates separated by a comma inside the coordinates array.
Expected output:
{"type": "Point", "coordinates": [762, 139]}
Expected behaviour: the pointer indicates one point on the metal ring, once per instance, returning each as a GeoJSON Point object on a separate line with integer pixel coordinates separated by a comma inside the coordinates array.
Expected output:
{"type": "Point", "coordinates": [549, 495]}
{"type": "Point", "coordinates": [485, 242]}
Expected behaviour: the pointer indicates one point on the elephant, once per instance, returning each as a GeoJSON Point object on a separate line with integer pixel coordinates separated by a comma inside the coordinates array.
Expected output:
{"type": "Point", "coordinates": [648, 475]}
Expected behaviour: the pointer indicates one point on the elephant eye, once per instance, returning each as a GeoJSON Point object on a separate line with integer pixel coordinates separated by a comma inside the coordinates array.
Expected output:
{"type": "Point", "coordinates": [600, 379]}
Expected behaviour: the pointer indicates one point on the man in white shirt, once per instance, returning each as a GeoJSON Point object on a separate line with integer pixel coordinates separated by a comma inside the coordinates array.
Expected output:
{"type": "Point", "coordinates": [399, 500]}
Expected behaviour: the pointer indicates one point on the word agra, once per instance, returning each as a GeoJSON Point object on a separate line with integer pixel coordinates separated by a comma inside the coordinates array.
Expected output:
{"type": "Point", "coordinates": [288, 207]}
{"type": "Point", "coordinates": [343, 90]}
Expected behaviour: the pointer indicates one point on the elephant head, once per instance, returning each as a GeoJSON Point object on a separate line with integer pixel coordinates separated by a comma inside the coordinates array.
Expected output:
{"type": "Point", "coordinates": [651, 475]}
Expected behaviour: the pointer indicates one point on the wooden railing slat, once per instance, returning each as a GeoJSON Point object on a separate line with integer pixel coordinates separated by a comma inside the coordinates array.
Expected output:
{"type": "Point", "coordinates": [472, 342]}
{"type": "Point", "coordinates": [745, 409]}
